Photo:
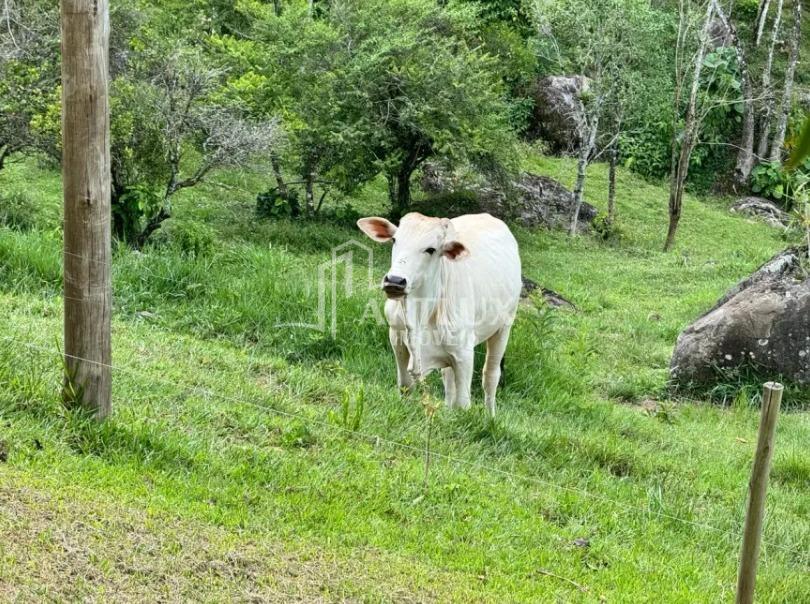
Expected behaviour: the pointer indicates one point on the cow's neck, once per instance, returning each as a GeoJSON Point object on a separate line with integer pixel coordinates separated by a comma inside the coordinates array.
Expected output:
{"type": "Point", "coordinates": [422, 302]}
{"type": "Point", "coordinates": [420, 309]}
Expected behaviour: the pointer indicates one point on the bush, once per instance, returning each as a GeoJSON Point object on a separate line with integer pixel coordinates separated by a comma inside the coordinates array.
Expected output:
{"type": "Point", "coordinates": [341, 213]}
{"type": "Point", "coordinates": [272, 204]}
{"type": "Point", "coordinates": [605, 229]}
{"type": "Point", "coordinates": [132, 209]}
{"type": "Point", "coordinates": [18, 211]}
{"type": "Point", "coordinates": [771, 180]}
{"type": "Point", "coordinates": [192, 238]}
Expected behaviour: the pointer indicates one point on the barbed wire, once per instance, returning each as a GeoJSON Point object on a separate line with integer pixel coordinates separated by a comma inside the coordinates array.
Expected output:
{"type": "Point", "coordinates": [377, 439]}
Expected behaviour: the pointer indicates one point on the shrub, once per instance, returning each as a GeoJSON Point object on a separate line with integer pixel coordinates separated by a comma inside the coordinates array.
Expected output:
{"type": "Point", "coordinates": [132, 209]}
{"type": "Point", "coordinates": [605, 229]}
{"type": "Point", "coordinates": [773, 181]}
{"type": "Point", "coordinates": [192, 238]}
{"type": "Point", "coordinates": [18, 211]}
{"type": "Point", "coordinates": [272, 204]}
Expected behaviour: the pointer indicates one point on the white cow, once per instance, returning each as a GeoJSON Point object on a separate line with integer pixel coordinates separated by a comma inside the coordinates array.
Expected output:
{"type": "Point", "coordinates": [452, 285]}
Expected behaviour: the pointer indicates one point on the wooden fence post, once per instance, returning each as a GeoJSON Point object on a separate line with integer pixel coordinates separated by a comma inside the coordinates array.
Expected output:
{"type": "Point", "coordinates": [86, 181]}
{"type": "Point", "coordinates": [758, 486]}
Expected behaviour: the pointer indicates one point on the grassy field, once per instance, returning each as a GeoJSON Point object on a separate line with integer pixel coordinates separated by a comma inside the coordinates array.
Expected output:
{"type": "Point", "coordinates": [247, 461]}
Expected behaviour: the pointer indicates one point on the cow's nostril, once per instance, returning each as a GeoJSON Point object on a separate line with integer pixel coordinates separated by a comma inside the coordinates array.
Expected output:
{"type": "Point", "coordinates": [395, 281]}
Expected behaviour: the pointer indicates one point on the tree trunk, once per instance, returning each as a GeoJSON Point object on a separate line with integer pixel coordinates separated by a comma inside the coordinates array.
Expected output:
{"type": "Point", "coordinates": [585, 151]}
{"type": "Point", "coordinates": [767, 88]}
{"type": "Point", "coordinates": [762, 17]}
{"type": "Point", "coordinates": [745, 153]}
{"type": "Point", "coordinates": [283, 189]}
{"type": "Point", "coordinates": [309, 187]}
{"type": "Point", "coordinates": [680, 166]}
{"type": "Point", "coordinates": [86, 178]}
{"type": "Point", "coordinates": [153, 225]}
{"type": "Point", "coordinates": [281, 185]}
{"type": "Point", "coordinates": [784, 108]}
{"type": "Point", "coordinates": [611, 217]}
{"type": "Point", "coordinates": [403, 201]}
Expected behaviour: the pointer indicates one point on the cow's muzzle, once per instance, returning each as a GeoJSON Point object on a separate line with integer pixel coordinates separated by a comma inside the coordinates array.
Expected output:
{"type": "Point", "coordinates": [394, 286]}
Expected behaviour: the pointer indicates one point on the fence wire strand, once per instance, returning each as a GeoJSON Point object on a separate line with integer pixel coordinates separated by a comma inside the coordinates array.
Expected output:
{"type": "Point", "coordinates": [377, 439]}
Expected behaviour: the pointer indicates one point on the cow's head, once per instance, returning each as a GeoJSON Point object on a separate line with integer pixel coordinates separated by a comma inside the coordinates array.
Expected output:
{"type": "Point", "coordinates": [420, 243]}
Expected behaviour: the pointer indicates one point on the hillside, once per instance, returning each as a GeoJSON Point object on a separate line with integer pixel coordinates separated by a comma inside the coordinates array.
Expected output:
{"type": "Point", "coordinates": [247, 461]}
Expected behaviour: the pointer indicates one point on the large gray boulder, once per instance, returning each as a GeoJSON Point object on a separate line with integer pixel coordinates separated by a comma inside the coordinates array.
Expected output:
{"type": "Point", "coordinates": [558, 111]}
{"type": "Point", "coordinates": [542, 201]}
{"type": "Point", "coordinates": [762, 209]}
{"type": "Point", "coordinates": [531, 200]}
{"type": "Point", "coordinates": [762, 323]}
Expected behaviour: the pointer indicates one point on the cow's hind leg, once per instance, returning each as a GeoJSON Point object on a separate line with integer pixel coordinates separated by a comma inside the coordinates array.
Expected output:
{"type": "Point", "coordinates": [449, 379]}
{"type": "Point", "coordinates": [403, 357]}
{"type": "Point", "coordinates": [463, 372]}
{"type": "Point", "coordinates": [496, 347]}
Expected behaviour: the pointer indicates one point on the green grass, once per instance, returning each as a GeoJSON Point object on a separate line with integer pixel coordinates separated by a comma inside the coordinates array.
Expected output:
{"type": "Point", "coordinates": [237, 466]}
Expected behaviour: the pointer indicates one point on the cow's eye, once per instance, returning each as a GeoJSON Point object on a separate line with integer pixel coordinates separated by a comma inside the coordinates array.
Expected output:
{"type": "Point", "coordinates": [393, 239]}
{"type": "Point", "coordinates": [430, 250]}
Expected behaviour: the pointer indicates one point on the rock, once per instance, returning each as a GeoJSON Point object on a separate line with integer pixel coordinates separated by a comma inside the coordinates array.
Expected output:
{"type": "Point", "coordinates": [533, 201]}
{"type": "Point", "coordinates": [558, 110]}
{"type": "Point", "coordinates": [762, 209]}
{"type": "Point", "coordinates": [719, 34]}
{"type": "Point", "coordinates": [551, 297]}
{"type": "Point", "coordinates": [762, 323]}
{"type": "Point", "coordinates": [542, 201]}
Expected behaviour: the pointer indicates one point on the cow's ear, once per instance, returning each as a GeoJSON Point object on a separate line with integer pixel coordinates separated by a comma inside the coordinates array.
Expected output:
{"type": "Point", "coordinates": [379, 229]}
{"type": "Point", "coordinates": [454, 250]}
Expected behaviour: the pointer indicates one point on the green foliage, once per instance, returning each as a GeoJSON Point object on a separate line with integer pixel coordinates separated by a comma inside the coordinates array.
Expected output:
{"type": "Point", "coordinates": [341, 212]}
{"type": "Point", "coordinates": [17, 210]}
{"type": "Point", "coordinates": [776, 182]}
{"type": "Point", "coordinates": [272, 204]}
{"type": "Point", "coordinates": [617, 46]}
{"type": "Point", "coordinates": [606, 229]}
{"type": "Point", "coordinates": [298, 436]}
{"type": "Point", "coordinates": [132, 207]}
{"type": "Point", "coordinates": [352, 407]}
{"type": "Point", "coordinates": [801, 149]}
{"type": "Point", "coordinates": [372, 87]}
{"type": "Point", "coordinates": [721, 91]}
{"type": "Point", "coordinates": [185, 237]}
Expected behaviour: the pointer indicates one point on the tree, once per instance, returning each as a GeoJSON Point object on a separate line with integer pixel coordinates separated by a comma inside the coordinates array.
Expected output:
{"type": "Point", "coordinates": [169, 133]}
{"type": "Point", "coordinates": [426, 91]}
{"type": "Point", "coordinates": [685, 138]}
{"type": "Point", "coordinates": [745, 152]}
{"type": "Point", "coordinates": [29, 71]}
{"type": "Point", "coordinates": [374, 86]}
{"type": "Point", "coordinates": [613, 44]}
{"type": "Point", "coordinates": [784, 107]}
{"type": "Point", "coordinates": [769, 99]}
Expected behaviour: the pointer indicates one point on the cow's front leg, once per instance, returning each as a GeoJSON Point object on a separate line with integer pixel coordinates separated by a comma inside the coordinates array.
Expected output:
{"type": "Point", "coordinates": [402, 356]}
{"type": "Point", "coordinates": [463, 371]}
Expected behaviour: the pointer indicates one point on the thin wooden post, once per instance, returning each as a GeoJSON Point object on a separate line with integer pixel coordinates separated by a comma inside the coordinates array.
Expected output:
{"type": "Point", "coordinates": [746, 580]}
{"type": "Point", "coordinates": [86, 181]}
